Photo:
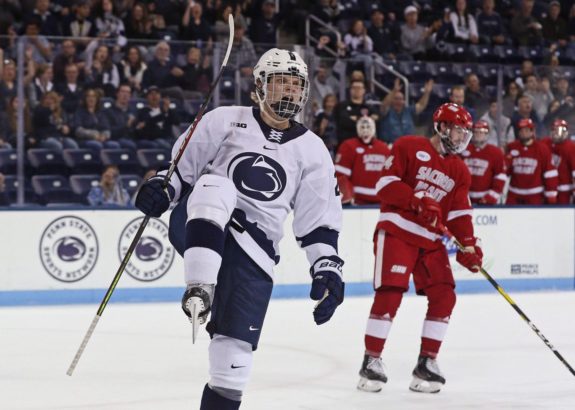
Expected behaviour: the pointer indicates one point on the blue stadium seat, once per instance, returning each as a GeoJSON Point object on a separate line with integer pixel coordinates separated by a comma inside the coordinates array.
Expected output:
{"type": "Point", "coordinates": [488, 73]}
{"type": "Point", "coordinates": [415, 91]}
{"type": "Point", "coordinates": [443, 73]}
{"type": "Point", "coordinates": [82, 161]}
{"type": "Point", "coordinates": [81, 184]}
{"type": "Point", "coordinates": [441, 91]}
{"type": "Point", "coordinates": [511, 72]}
{"type": "Point", "coordinates": [8, 162]}
{"type": "Point", "coordinates": [130, 182]}
{"type": "Point", "coordinates": [46, 161]}
{"type": "Point", "coordinates": [53, 189]}
{"type": "Point", "coordinates": [464, 69]}
{"type": "Point", "coordinates": [533, 53]}
{"type": "Point", "coordinates": [414, 71]}
{"type": "Point", "coordinates": [508, 54]}
{"type": "Point", "coordinates": [457, 52]}
{"type": "Point", "coordinates": [153, 158]}
{"type": "Point", "coordinates": [11, 189]}
{"type": "Point", "coordinates": [484, 53]}
{"type": "Point", "coordinates": [124, 159]}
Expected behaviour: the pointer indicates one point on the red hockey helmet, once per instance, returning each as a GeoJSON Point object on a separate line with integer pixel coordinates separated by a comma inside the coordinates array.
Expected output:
{"type": "Point", "coordinates": [559, 130]}
{"type": "Point", "coordinates": [456, 135]}
{"type": "Point", "coordinates": [525, 123]}
{"type": "Point", "coordinates": [480, 133]}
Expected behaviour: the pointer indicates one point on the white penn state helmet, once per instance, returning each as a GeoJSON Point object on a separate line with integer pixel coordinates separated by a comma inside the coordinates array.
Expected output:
{"type": "Point", "coordinates": [284, 103]}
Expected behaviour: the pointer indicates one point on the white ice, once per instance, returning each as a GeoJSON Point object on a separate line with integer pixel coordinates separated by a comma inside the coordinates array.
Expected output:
{"type": "Point", "coordinates": [141, 357]}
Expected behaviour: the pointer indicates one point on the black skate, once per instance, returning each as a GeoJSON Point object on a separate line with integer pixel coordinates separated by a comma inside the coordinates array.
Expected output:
{"type": "Point", "coordinates": [427, 377]}
{"type": "Point", "coordinates": [372, 374]}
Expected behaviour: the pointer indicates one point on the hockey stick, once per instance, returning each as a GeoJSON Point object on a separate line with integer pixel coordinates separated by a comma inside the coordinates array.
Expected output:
{"type": "Point", "coordinates": [146, 219]}
{"type": "Point", "coordinates": [511, 302]}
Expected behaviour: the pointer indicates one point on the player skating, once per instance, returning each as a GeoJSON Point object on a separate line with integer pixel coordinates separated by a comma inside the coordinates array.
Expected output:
{"type": "Point", "coordinates": [424, 185]}
{"type": "Point", "coordinates": [249, 168]}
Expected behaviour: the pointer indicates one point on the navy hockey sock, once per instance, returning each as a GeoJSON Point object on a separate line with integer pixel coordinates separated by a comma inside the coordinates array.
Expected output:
{"type": "Point", "coordinates": [213, 401]}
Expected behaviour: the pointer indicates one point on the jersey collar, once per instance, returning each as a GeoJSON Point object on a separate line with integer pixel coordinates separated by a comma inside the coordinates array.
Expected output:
{"type": "Point", "coordinates": [278, 136]}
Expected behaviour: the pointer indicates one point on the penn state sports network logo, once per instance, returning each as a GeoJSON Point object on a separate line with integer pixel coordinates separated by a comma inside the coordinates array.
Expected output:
{"type": "Point", "coordinates": [69, 249]}
{"type": "Point", "coordinates": [257, 176]}
{"type": "Point", "coordinates": [152, 256]}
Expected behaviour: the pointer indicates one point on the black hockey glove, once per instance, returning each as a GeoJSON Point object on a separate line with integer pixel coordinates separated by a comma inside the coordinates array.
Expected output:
{"type": "Point", "coordinates": [326, 287]}
{"type": "Point", "coordinates": [152, 199]}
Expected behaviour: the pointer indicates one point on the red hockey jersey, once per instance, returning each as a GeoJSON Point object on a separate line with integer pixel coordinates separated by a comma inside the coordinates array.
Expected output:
{"type": "Point", "coordinates": [488, 173]}
{"type": "Point", "coordinates": [358, 167]}
{"type": "Point", "coordinates": [563, 158]}
{"type": "Point", "coordinates": [415, 165]}
{"type": "Point", "coordinates": [533, 176]}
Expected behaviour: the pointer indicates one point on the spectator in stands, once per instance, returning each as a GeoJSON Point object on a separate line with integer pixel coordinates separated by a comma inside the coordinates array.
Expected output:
{"type": "Point", "coordinates": [324, 124]}
{"type": "Point", "coordinates": [397, 119]}
{"type": "Point", "coordinates": [9, 124]}
{"type": "Point", "coordinates": [221, 30]}
{"type": "Point", "coordinates": [132, 68]}
{"type": "Point", "coordinates": [571, 33]}
{"type": "Point", "coordinates": [149, 174]}
{"type": "Point", "coordinates": [71, 89]}
{"type": "Point", "coordinates": [322, 84]}
{"type": "Point", "coordinates": [198, 73]}
{"type": "Point", "coordinates": [51, 124]}
{"type": "Point", "coordinates": [3, 197]}
{"type": "Point", "coordinates": [464, 25]}
{"type": "Point", "coordinates": [39, 44]}
{"type": "Point", "coordinates": [66, 56]}
{"type": "Point", "coordinates": [102, 73]}
{"type": "Point", "coordinates": [540, 93]}
{"type": "Point", "coordinates": [264, 28]}
{"type": "Point", "coordinates": [359, 45]}
{"type": "Point", "coordinates": [42, 84]}
{"type": "Point", "coordinates": [327, 11]}
{"type": "Point", "coordinates": [512, 93]}
{"type": "Point", "coordinates": [195, 27]}
{"type": "Point", "coordinates": [154, 122]}
{"type": "Point", "coordinates": [563, 89]}
{"type": "Point", "coordinates": [163, 73]}
{"type": "Point", "coordinates": [527, 68]}
{"type": "Point", "coordinates": [81, 25]}
{"type": "Point", "coordinates": [91, 123]}
{"type": "Point", "coordinates": [554, 26]}
{"type": "Point", "coordinates": [243, 57]}
{"type": "Point", "coordinates": [564, 109]}
{"type": "Point", "coordinates": [358, 165]}
{"type": "Point", "coordinates": [121, 119]}
{"type": "Point", "coordinates": [7, 82]}
{"type": "Point", "coordinates": [475, 97]}
{"type": "Point", "coordinates": [347, 112]}
{"type": "Point", "coordinates": [49, 25]}
{"type": "Point", "coordinates": [490, 25]}
{"type": "Point", "coordinates": [499, 132]}
{"type": "Point", "coordinates": [139, 25]}
{"type": "Point", "coordinates": [384, 35]}
{"type": "Point", "coordinates": [533, 178]}
{"type": "Point", "coordinates": [457, 96]}
{"type": "Point", "coordinates": [108, 25]}
{"type": "Point", "coordinates": [525, 28]}
{"type": "Point", "coordinates": [414, 38]}
{"type": "Point", "coordinates": [525, 110]}
{"type": "Point", "coordinates": [110, 190]}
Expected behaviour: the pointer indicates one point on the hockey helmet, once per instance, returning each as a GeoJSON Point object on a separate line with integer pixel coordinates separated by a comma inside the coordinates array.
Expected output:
{"type": "Point", "coordinates": [480, 133]}
{"type": "Point", "coordinates": [559, 130]}
{"type": "Point", "coordinates": [456, 134]}
{"type": "Point", "coordinates": [281, 81]}
{"type": "Point", "coordinates": [365, 127]}
{"type": "Point", "coordinates": [523, 125]}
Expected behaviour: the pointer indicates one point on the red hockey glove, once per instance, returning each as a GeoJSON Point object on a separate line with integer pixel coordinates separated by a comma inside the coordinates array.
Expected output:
{"type": "Point", "coordinates": [472, 256]}
{"type": "Point", "coordinates": [427, 209]}
{"type": "Point", "coordinates": [488, 199]}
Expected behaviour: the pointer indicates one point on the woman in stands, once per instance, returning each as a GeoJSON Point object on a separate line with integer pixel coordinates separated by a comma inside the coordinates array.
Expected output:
{"type": "Point", "coordinates": [102, 73]}
{"type": "Point", "coordinates": [132, 68]}
{"type": "Point", "coordinates": [51, 124]}
{"type": "Point", "coordinates": [91, 124]}
{"type": "Point", "coordinates": [110, 191]}
{"type": "Point", "coordinates": [8, 125]}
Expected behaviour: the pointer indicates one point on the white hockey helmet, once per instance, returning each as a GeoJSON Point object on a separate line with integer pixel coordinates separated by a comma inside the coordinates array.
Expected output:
{"type": "Point", "coordinates": [287, 94]}
{"type": "Point", "coordinates": [365, 127]}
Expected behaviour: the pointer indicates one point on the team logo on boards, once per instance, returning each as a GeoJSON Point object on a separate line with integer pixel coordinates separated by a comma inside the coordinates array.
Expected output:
{"type": "Point", "coordinates": [257, 176]}
{"type": "Point", "coordinates": [69, 249]}
{"type": "Point", "coordinates": [152, 256]}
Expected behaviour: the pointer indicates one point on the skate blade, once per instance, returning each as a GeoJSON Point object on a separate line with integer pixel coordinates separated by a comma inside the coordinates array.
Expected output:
{"type": "Point", "coordinates": [423, 386]}
{"type": "Point", "coordinates": [195, 306]}
{"type": "Point", "coordinates": [371, 386]}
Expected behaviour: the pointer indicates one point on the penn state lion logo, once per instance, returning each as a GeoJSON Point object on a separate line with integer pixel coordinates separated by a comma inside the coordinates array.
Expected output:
{"type": "Point", "coordinates": [257, 176]}
{"type": "Point", "coordinates": [69, 249]}
{"type": "Point", "coordinates": [152, 256]}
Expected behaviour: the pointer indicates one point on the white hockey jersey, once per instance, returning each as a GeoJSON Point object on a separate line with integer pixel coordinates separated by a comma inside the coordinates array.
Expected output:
{"type": "Point", "coordinates": [274, 171]}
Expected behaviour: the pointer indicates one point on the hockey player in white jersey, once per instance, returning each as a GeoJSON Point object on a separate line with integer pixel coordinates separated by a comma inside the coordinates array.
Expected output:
{"type": "Point", "coordinates": [243, 171]}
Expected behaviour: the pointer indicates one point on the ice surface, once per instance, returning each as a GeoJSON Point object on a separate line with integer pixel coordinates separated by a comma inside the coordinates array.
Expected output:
{"type": "Point", "coordinates": [141, 357]}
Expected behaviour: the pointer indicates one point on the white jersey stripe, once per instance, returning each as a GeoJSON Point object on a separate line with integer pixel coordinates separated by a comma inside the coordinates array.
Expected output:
{"type": "Point", "coordinates": [378, 259]}
{"type": "Point", "coordinates": [551, 173]}
{"type": "Point", "coordinates": [528, 191]}
{"type": "Point", "coordinates": [384, 181]}
{"type": "Point", "coordinates": [502, 177]}
{"type": "Point", "coordinates": [364, 190]}
{"type": "Point", "coordinates": [434, 330]}
{"type": "Point", "coordinates": [343, 170]}
{"type": "Point", "coordinates": [407, 225]}
{"type": "Point", "coordinates": [378, 327]}
{"type": "Point", "coordinates": [456, 214]}
{"type": "Point", "coordinates": [565, 187]}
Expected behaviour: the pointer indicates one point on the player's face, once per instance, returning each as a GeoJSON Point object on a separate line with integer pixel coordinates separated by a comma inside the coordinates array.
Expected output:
{"type": "Point", "coordinates": [525, 134]}
{"type": "Point", "coordinates": [365, 131]}
{"type": "Point", "coordinates": [282, 87]}
{"type": "Point", "coordinates": [459, 138]}
{"type": "Point", "coordinates": [559, 134]}
{"type": "Point", "coordinates": [480, 136]}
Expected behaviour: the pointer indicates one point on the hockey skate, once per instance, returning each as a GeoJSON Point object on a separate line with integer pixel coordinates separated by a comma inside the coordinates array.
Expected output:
{"type": "Point", "coordinates": [427, 377]}
{"type": "Point", "coordinates": [372, 374]}
{"type": "Point", "coordinates": [197, 304]}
